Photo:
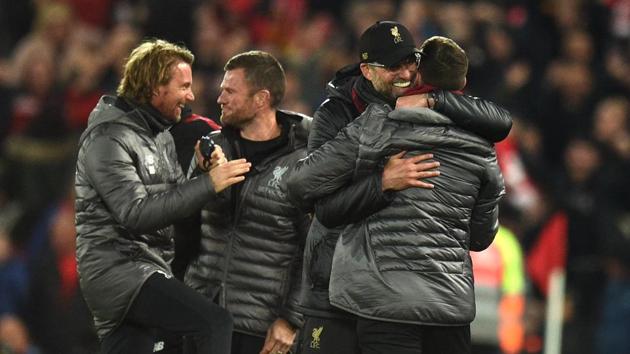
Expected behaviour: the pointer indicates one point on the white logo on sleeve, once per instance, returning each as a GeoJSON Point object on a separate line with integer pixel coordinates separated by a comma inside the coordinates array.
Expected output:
{"type": "Point", "coordinates": [149, 163]}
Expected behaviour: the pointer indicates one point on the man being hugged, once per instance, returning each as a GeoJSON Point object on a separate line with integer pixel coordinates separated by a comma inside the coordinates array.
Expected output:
{"type": "Point", "coordinates": [405, 270]}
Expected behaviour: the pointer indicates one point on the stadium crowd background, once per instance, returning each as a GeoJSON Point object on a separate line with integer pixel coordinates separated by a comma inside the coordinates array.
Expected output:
{"type": "Point", "coordinates": [561, 67]}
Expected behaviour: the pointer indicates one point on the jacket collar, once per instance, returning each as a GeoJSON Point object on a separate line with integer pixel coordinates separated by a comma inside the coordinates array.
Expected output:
{"type": "Point", "coordinates": [154, 119]}
{"type": "Point", "coordinates": [349, 84]}
{"type": "Point", "coordinates": [366, 92]}
{"type": "Point", "coordinates": [295, 125]}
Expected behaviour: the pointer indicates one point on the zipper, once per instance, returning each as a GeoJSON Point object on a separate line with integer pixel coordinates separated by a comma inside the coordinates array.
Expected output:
{"type": "Point", "coordinates": [230, 245]}
{"type": "Point", "coordinates": [237, 196]}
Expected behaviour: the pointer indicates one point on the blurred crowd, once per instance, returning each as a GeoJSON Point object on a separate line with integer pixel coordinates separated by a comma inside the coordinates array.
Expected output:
{"type": "Point", "coordinates": [561, 67]}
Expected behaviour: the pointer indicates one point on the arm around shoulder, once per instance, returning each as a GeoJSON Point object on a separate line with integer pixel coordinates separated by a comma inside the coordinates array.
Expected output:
{"type": "Point", "coordinates": [477, 115]}
{"type": "Point", "coordinates": [354, 202]}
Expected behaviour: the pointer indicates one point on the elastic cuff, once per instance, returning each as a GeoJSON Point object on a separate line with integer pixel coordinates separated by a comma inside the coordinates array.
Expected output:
{"type": "Point", "coordinates": [208, 182]}
{"type": "Point", "coordinates": [295, 321]}
{"type": "Point", "coordinates": [436, 101]}
{"type": "Point", "coordinates": [385, 196]}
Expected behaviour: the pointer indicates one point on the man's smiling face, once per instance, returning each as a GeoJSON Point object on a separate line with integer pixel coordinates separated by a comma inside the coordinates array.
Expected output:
{"type": "Point", "coordinates": [392, 81]}
{"type": "Point", "coordinates": [170, 98]}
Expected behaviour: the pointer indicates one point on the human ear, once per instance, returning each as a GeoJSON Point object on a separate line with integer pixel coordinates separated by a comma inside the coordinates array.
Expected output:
{"type": "Point", "coordinates": [463, 83]}
{"type": "Point", "coordinates": [261, 97]}
{"type": "Point", "coordinates": [365, 70]}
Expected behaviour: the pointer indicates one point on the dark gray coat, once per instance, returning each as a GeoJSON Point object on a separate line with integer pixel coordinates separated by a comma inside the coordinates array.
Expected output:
{"type": "Point", "coordinates": [253, 238]}
{"type": "Point", "coordinates": [408, 262]}
{"type": "Point", "coordinates": [129, 190]}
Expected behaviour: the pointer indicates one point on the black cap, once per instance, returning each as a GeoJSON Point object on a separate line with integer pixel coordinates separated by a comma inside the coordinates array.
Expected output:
{"type": "Point", "coordinates": [386, 43]}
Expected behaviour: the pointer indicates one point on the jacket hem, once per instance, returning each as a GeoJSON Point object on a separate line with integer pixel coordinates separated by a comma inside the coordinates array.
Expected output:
{"type": "Point", "coordinates": [383, 319]}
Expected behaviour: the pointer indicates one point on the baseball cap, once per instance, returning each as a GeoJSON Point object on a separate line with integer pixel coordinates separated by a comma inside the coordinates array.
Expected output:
{"type": "Point", "coordinates": [386, 43]}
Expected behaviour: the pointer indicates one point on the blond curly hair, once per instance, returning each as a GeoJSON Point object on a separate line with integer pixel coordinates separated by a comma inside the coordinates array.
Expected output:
{"type": "Point", "coordinates": [149, 65]}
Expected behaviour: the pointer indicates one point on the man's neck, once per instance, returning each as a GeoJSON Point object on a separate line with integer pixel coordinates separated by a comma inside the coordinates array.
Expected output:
{"type": "Point", "coordinates": [263, 127]}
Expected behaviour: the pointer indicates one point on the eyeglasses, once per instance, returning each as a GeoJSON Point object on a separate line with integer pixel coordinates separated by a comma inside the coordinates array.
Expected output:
{"type": "Point", "coordinates": [412, 59]}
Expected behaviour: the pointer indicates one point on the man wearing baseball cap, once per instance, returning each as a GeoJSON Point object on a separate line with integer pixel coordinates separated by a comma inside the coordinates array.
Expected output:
{"type": "Point", "coordinates": [388, 48]}
{"type": "Point", "coordinates": [386, 43]}
{"type": "Point", "coordinates": [387, 68]}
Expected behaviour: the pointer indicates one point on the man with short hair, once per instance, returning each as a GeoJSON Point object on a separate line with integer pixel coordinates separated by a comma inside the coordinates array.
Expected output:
{"type": "Point", "coordinates": [129, 191]}
{"type": "Point", "coordinates": [443, 64]}
{"type": "Point", "coordinates": [252, 236]}
{"type": "Point", "coordinates": [387, 69]}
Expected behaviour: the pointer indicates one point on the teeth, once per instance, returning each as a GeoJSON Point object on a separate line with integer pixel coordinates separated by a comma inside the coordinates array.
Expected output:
{"type": "Point", "coordinates": [403, 84]}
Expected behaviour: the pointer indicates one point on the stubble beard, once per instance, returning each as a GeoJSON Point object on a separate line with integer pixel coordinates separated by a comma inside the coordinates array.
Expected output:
{"type": "Point", "coordinates": [381, 88]}
{"type": "Point", "coordinates": [234, 121]}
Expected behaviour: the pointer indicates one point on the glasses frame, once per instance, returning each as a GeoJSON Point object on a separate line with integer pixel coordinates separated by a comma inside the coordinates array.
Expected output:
{"type": "Point", "coordinates": [418, 56]}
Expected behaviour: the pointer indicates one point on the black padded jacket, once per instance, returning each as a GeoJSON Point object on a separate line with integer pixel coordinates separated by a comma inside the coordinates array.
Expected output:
{"type": "Point", "coordinates": [252, 237]}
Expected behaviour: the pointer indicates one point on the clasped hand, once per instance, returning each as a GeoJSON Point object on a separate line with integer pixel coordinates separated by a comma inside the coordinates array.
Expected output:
{"type": "Point", "coordinates": [223, 173]}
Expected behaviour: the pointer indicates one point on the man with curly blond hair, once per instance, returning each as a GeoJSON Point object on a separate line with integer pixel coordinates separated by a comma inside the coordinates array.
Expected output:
{"type": "Point", "coordinates": [129, 191]}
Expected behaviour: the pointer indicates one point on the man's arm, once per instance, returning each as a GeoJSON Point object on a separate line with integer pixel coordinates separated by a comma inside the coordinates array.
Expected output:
{"type": "Point", "coordinates": [113, 174]}
{"type": "Point", "coordinates": [370, 194]}
{"type": "Point", "coordinates": [476, 115]}
{"type": "Point", "coordinates": [282, 332]}
{"type": "Point", "coordinates": [290, 307]}
{"type": "Point", "coordinates": [484, 222]}
{"type": "Point", "coordinates": [374, 192]}
{"type": "Point", "coordinates": [325, 170]}
{"type": "Point", "coordinates": [329, 119]}
{"type": "Point", "coordinates": [280, 337]}
{"type": "Point", "coordinates": [367, 198]}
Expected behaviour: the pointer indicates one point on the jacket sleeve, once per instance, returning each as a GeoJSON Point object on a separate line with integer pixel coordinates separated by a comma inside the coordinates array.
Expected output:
{"type": "Point", "coordinates": [353, 202]}
{"type": "Point", "coordinates": [356, 200]}
{"type": "Point", "coordinates": [479, 116]}
{"type": "Point", "coordinates": [113, 173]}
{"type": "Point", "coordinates": [290, 311]}
{"type": "Point", "coordinates": [484, 222]}
{"type": "Point", "coordinates": [325, 170]}
{"type": "Point", "coordinates": [329, 119]}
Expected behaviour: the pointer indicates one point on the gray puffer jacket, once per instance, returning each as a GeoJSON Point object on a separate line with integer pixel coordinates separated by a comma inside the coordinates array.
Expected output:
{"type": "Point", "coordinates": [252, 236]}
{"type": "Point", "coordinates": [408, 262]}
{"type": "Point", "coordinates": [129, 190]}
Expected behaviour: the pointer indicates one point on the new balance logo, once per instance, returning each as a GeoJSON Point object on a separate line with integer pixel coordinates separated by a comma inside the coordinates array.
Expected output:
{"type": "Point", "coordinates": [158, 346]}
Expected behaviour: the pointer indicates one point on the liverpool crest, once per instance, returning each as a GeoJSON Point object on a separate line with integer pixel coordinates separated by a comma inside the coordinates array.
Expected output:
{"type": "Point", "coordinates": [396, 34]}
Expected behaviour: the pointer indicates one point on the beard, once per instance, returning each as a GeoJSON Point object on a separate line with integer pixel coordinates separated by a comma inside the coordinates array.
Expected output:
{"type": "Point", "coordinates": [383, 88]}
{"type": "Point", "coordinates": [388, 89]}
{"type": "Point", "coordinates": [237, 119]}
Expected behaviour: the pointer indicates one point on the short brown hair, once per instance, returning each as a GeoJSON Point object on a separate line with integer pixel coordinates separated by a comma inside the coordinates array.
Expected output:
{"type": "Point", "coordinates": [149, 66]}
{"type": "Point", "coordinates": [443, 64]}
{"type": "Point", "coordinates": [262, 72]}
